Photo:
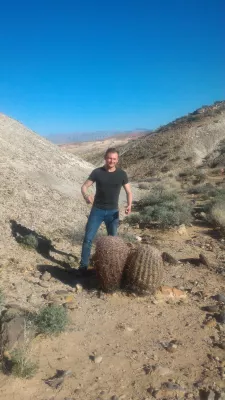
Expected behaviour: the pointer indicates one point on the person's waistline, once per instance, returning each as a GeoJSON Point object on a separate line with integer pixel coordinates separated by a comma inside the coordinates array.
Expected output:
{"type": "Point", "coordinates": [106, 208]}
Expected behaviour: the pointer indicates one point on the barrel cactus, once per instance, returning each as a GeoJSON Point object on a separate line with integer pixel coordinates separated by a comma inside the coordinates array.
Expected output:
{"type": "Point", "coordinates": [144, 269]}
{"type": "Point", "coordinates": [109, 260]}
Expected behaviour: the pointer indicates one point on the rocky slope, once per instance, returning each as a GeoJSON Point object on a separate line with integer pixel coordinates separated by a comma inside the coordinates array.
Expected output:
{"type": "Point", "coordinates": [185, 141]}
{"type": "Point", "coordinates": [39, 185]}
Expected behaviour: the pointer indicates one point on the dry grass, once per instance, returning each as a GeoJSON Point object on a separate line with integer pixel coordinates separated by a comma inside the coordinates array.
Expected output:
{"type": "Point", "coordinates": [218, 214]}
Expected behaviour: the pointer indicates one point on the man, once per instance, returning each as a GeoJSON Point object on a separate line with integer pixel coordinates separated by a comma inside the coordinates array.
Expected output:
{"type": "Point", "coordinates": [109, 179]}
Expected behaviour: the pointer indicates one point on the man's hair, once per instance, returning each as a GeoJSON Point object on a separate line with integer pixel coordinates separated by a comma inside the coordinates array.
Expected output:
{"type": "Point", "coordinates": [111, 150]}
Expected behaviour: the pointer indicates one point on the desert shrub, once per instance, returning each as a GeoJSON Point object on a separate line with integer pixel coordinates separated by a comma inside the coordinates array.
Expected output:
{"type": "Point", "coordinates": [194, 174]}
{"type": "Point", "coordinates": [165, 168]}
{"type": "Point", "coordinates": [133, 219]}
{"type": "Point", "coordinates": [164, 208]}
{"type": "Point", "coordinates": [175, 158]}
{"type": "Point", "coordinates": [20, 365]}
{"type": "Point", "coordinates": [199, 177]}
{"type": "Point", "coordinates": [207, 190]}
{"type": "Point", "coordinates": [215, 171]}
{"type": "Point", "coordinates": [29, 241]}
{"type": "Point", "coordinates": [2, 297]}
{"type": "Point", "coordinates": [186, 173]}
{"type": "Point", "coordinates": [51, 319]}
{"type": "Point", "coordinates": [217, 214]}
{"type": "Point", "coordinates": [143, 185]}
{"type": "Point", "coordinates": [158, 195]}
{"type": "Point", "coordinates": [216, 209]}
{"type": "Point", "coordinates": [128, 237]}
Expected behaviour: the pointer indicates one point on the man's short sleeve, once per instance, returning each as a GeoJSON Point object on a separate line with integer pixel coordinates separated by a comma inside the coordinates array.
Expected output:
{"type": "Point", "coordinates": [92, 176]}
{"type": "Point", "coordinates": [125, 178]}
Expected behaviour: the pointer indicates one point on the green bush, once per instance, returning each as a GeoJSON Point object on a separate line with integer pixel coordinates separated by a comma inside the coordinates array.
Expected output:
{"type": "Point", "coordinates": [186, 173]}
{"type": "Point", "coordinates": [133, 219]}
{"type": "Point", "coordinates": [21, 366]}
{"type": "Point", "coordinates": [51, 319]}
{"type": "Point", "coordinates": [165, 209]}
{"type": "Point", "coordinates": [217, 214]}
{"type": "Point", "coordinates": [216, 209]}
{"type": "Point", "coordinates": [207, 190]}
{"type": "Point", "coordinates": [143, 185]}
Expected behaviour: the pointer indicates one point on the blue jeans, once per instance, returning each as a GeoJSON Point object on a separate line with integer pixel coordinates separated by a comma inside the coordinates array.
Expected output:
{"type": "Point", "coordinates": [96, 217]}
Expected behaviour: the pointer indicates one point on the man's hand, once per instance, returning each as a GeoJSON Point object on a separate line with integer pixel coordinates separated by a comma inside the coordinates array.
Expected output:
{"type": "Point", "coordinates": [89, 199]}
{"type": "Point", "coordinates": [128, 210]}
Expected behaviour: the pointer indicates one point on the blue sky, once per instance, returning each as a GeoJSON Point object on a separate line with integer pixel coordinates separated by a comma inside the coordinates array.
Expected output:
{"type": "Point", "coordinates": [94, 65]}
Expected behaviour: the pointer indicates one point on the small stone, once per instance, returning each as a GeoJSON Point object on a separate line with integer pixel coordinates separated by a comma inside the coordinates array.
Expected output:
{"type": "Point", "coordinates": [182, 230]}
{"type": "Point", "coordinates": [97, 359]}
{"type": "Point", "coordinates": [70, 306]}
{"type": "Point", "coordinates": [211, 323]}
{"type": "Point", "coordinates": [168, 258]}
{"type": "Point", "coordinates": [220, 298]}
{"type": "Point", "coordinates": [208, 395]}
{"type": "Point", "coordinates": [138, 238]}
{"type": "Point", "coordinates": [69, 299]}
{"type": "Point", "coordinates": [79, 288]}
{"type": "Point", "coordinates": [129, 329]}
{"type": "Point", "coordinates": [46, 276]}
{"type": "Point", "coordinates": [212, 309]}
{"type": "Point", "coordinates": [15, 333]}
{"type": "Point", "coordinates": [44, 284]}
{"type": "Point", "coordinates": [167, 292]}
{"type": "Point", "coordinates": [61, 292]}
{"type": "Point", "coordinates": [204, 260]}
{"type": "Point", "coordinates": [163, 371]}
{"type": "Point", "coordinates": [171, 347]}
{"type": "Point", "coordinates": [221, 317]}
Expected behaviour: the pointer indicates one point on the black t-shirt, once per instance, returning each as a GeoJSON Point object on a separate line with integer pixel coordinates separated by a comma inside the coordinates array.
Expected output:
{"type": "Point", "coordinates": [108, 186]}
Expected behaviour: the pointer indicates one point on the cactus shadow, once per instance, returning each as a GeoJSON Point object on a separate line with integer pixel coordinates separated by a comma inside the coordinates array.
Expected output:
{"type": "Point", "coordinates": [69, 277]}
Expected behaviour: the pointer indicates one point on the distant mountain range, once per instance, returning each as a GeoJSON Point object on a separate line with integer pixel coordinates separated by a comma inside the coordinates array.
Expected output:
{"type": "Point", "coordinates": [78, 137]}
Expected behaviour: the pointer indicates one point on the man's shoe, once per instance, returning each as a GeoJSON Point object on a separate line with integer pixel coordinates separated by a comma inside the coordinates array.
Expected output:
{"type": "Point", "coordinates": [84, 272]}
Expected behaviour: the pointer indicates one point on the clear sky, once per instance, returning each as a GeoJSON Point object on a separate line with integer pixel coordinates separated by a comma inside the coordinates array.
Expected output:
{"type": "Point", "coordinates": [93, 65]}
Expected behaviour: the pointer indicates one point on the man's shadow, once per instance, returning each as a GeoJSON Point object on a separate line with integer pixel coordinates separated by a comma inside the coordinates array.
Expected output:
{"type": "Point", "coordinates": [61, 270]}
{"type": "Point", "coordinates": [40, 243]}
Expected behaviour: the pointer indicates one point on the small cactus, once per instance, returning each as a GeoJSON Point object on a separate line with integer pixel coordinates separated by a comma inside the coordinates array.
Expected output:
{"type": "Point", "coordinates": [144, 269]}
{"type": "Point", "coordinates": [109, 260]}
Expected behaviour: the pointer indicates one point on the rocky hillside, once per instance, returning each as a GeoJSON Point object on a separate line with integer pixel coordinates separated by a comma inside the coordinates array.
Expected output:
{"type": "Point", "coordinates": [184, 142]}
{"type": "Point", "coordinates": [39, 185]}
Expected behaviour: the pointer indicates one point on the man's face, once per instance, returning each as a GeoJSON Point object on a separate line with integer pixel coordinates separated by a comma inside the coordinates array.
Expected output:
{"type": "Point", "coordinates": [111, 160]}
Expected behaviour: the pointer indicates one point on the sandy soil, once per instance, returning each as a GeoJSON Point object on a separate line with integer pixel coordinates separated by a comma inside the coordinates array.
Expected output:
{"type": "Point", "coordinates": [129, 333]}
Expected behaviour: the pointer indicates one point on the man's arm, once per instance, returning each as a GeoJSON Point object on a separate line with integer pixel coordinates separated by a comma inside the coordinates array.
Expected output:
{"type": "Point", "coordinates": [129, 198]}
{"type": "Point", "coordinates": [88, 198]}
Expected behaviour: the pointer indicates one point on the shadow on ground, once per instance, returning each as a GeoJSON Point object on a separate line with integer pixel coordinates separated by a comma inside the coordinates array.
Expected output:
{"type": "Point", "coordinates": [41, 244]}
{"type": "Point", "coordinates": [69, 277]}
{"type": "Point", "coordinates": [193, 261]}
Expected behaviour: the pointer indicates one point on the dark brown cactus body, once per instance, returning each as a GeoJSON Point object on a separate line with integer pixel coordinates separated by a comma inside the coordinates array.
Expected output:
{"type": "Point", "coordinates": [109, 260]}
{"type": "Point", "coordinates": [144, 269]}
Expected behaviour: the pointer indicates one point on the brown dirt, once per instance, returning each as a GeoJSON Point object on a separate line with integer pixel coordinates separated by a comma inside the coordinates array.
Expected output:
{"type": "Point", "coordinates": [129, 332]}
